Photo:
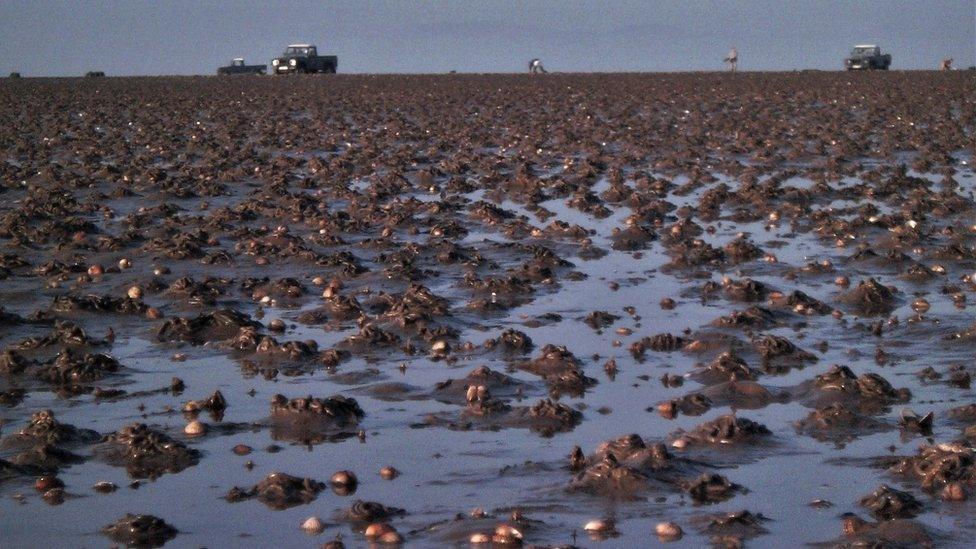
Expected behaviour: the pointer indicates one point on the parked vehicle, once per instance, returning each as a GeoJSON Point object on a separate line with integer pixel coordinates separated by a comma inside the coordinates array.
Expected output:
{"type": "Point", "coordinates": [237, 66]}
{"type": "Point", "coordinates": [867, 57]}
{"type": "Point", "coordinates": [94, 74]}
{"type": "Point", "coordinates": [302, 58]}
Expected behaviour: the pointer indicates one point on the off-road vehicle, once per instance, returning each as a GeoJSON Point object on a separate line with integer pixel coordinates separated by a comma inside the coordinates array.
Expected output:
{"type": "Point", "coordinates": [237, 66]}
{"type": "Point", "coordinates": [867, 57]}
{"type": "Point", "coordinates": [301, 58]}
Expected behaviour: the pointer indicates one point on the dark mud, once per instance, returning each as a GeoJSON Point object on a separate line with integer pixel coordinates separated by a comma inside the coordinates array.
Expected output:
{"type": "Point", "coordinates": [738, 303]}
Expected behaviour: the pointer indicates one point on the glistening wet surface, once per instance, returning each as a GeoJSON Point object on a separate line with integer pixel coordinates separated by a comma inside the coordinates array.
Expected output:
{"type": "Point", "coordinates": [694, 308]}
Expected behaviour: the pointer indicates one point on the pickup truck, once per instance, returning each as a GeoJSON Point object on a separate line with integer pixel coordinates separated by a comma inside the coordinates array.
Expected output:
{"type": "Point", "coordinates": [867, 57]}
{"type": "Point", "coordinates": [237, 66]}
{"type": "Point", "coordinates": [302, 58]}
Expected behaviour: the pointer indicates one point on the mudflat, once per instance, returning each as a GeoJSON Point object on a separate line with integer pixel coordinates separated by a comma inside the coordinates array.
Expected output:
{"type": "Point", "coordinates": [570, 309]}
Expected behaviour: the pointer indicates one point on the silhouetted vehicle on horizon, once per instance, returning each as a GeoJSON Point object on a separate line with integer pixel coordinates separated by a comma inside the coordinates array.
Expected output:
{"type": "Point", "coordinates": [303, 58]}
{"type": "Point", "coordinates": [237, 66]}
{"type": "Point", "coordinates": [867, 57]}
{"type": "Point", "coordinates": [95, 74]}
{"type": "Point", "coordinates": [14, 74]}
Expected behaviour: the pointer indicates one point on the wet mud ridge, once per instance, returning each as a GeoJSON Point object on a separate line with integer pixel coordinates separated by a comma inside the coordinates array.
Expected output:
{"type": "Point", "coordinates": [578, 310]}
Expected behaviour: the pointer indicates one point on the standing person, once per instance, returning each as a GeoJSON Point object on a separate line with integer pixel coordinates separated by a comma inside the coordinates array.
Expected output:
{"type": "Point", "coordinates": [535, 67]}
{"type": "Point", "coordinates": [733, 59]}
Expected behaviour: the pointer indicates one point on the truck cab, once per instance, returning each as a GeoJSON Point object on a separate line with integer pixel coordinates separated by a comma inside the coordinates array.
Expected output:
{"type": "Point", "coordinates": [300, 50]}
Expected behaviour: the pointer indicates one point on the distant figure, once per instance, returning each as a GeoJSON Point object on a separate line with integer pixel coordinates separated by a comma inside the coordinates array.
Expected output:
{"type": "Point", "coordinates": [535, 67]}
{"type": "Point", "coordinates": [947, 64]}
{"type": "Point", "coordinates": [733, 59]}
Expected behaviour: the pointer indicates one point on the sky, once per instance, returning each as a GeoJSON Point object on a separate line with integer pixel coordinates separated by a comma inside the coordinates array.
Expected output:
{"type": "Point", "coordinates": [150, 37]}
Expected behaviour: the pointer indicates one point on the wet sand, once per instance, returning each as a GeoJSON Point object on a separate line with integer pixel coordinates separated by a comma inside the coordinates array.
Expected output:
{"type": "Point", "coordinates": [767, 278]}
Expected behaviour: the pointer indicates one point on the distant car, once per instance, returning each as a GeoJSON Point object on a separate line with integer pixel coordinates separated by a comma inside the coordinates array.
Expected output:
{"type": "Point", "coordinates": [14, 75]}
{"type": "Point", "coordinates": [237, 66]}
{"type": "Point", "coordinates": [867, 57]}
{"type": "Point", "coordinates": [302, 58]}
{"type": "Point", "coordinates": [94, 74]}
